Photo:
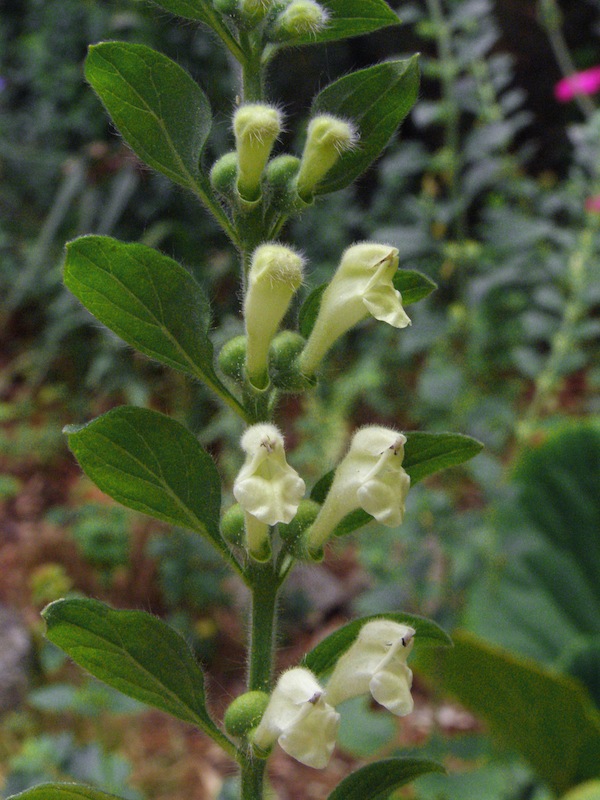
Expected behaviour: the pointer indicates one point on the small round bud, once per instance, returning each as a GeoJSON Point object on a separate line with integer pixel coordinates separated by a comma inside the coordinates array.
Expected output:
{"type": "Point", "coordinates": [232, 358]}
{"type": "Point", "coordinates": [293, 533]}
{"type": "Point", "coordinates": [280, 184]}
{"type": "Point", "coordinates": [223, 175]}
{"type": "Point", "coordinates": [253, 11]}
{"type": "Point", "coordinates": [245, 713]}
{"type": "Point", "coordinates": [283, 363]}
{"type": "Point", "coordinates": [301, 18]}
{"type": "Point", "coordinates": [232, 526]}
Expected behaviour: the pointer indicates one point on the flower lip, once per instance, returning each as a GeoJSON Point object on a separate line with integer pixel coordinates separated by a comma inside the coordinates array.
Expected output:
{"type": "Point", "coordinates": [267, 487]}
{"type": "Point", "coordinates": [300, 719]}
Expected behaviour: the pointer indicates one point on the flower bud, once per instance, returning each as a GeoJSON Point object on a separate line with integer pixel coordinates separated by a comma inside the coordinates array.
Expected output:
{"type": "Point", "coordinates": [300, 719]}
{"type": "Point", "coordinates": [361, 286]}
{"type": "Point", "coordinates": [256, 127]}
{"type": "Point", "coordinates": [280, 184]}
{"type": "Point", "coordinates": [245, 712]}
{"type": "Point", "coordinates": [233, 525]}
{"type": "Point", "coordinates": [283, 363]}
{"type": "Point", "coordinates": [327, 139]}
{"type": "Point", "coordinates": [370, 477]}
{"type": "Point", "coordinates": [376, 663]}
{"type": "Point", "coordinates": [293, 533]}
{"type": "Point", "coordinates": [275, 274]}
{"type": "Point", "coordinates": [253, 11]}
{"type": "Point", "coordinates": [232, 358]}
{"type": "Point", "coordinates": [223, 175]}
{"type": "Point", "coordinates": [299, 19]}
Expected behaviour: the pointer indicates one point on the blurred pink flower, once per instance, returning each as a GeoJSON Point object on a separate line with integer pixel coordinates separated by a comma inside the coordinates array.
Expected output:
{"type": "Point", "coordinates": [586, 82]}
{"type": "Point", "coordinates": [593, 203]}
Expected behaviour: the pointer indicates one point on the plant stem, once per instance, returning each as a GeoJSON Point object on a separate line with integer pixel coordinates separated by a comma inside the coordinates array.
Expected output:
{"type": "Point", "coordinates": [564, 338]}
{"type": "Point", "coordinates": [252, 71]}
{"type": "Point", "coordinates": [252, 775]}
{"type": "Point", "coordinates": [264, 585]}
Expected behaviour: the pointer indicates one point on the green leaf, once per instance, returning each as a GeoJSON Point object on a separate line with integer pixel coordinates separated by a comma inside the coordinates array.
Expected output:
{"type": "Point", "coordinates": [188, 9]}
{"type": "Point", "coordinates": [152, 464]}
{"type": "Point", "coordinates": [541, 595]}
{"type": "Point", "coordinates": [590, 790]}
{"type": "Point", "coordinates": [350, 18]}
{"type": "Point", "coordinates": [377, 781]}
{"type": "Point", "coordinates": [547, 717]}
{"type": "Point", "coordinates": [62, 791]}
{"type": "Point", "coordinates": [134, 652]}
{"type": "Point", "coordinates": [161, 112]}
{"type": "Point", "coordinates": [426, 453]}
{"type": "Point", "coordinates": [412, 285]}
{"type": "Point", "coordinates": [147, 299]}
{"type": "Point", "coordinates": [375, 100]}
{"type": "Point", "coordinates": [324, 656]}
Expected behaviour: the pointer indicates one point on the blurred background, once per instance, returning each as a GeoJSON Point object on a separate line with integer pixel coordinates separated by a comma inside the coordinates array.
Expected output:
{"type": "Point", "coordinates": [492, 189]}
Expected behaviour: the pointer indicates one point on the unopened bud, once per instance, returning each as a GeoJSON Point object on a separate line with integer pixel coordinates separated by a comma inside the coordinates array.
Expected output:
{"type": "Point", "coordinates": [275, 275]}
{"type": "Point", "coordinates": [233, 526]}
{"type": "Point", "coordinates": [256, 127]}
{"type": "Point", "coordinates": [245, 713]}
{"type": "Point", "coordinates": [232, 358]}
{"type": "Point", "coordinates": [223, 175]}
{"type": "Point", "coordinates": [292, 533]}
{"type": "Point", "coordinates": [301, 18]}
{"type": "Point", "coordinates": [253, 11]}
{"type": "Point", "coordinates": [284, 368]}
{"type": "Point", "coordinates": [327, 139]}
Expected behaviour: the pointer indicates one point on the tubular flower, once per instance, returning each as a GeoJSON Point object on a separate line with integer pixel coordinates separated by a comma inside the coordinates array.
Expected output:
{"type": "Point", "coordinates": [266, 486]}
{"type": "Point", "coordinates": [361, 286]}
{"type": "Point", "coordinates": [376, 663]}
{"type": "Point", "coordinates": [256, 127]}
{"type": "Point", "coordinates": [275, 275]}
{"type": "Point", "coordinates": [327, 139]}
{"type": "Point", "coordinates": [300, 719]}
{"type": "Point", "coordinates": [585, 82]}
{"type": "Point", "coordinates": [370, 477]}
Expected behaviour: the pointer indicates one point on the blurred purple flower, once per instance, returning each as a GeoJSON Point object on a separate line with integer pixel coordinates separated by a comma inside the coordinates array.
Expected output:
{"type": "Point", "coordinates": [593, 204]}
{"type": "Point", "coordinates": [3, 83]}
{"type": "Point", "coordinates": [586, 82]}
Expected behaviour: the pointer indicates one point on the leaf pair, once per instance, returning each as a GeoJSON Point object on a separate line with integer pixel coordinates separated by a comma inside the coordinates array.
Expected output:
{"type": "Point", "coordinates": [165, 116]}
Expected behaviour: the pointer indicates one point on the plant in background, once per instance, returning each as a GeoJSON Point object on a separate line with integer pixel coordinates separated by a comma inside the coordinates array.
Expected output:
{"type": "Point", "coordinates": [151, 463]}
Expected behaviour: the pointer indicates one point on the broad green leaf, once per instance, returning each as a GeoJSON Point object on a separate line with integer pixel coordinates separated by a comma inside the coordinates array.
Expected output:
{"type": "Point", "coordinates": [547, 717]}
{"type": "Point", "coordinates": [152, 464]}
{"type": "Point", "coordinates": [590, 790]}
{"type": "Point", "coordinates": [189, 9]}
{"type": "Point", "coordinates": [134, 652]}
{"type": "Point", "coordinates": [412, 285]}
{"type": "Point", "coordinates": [324, 656]}
{"type": "Point", "coordinates": [377, 781]}
{"type": "Point", "coordinates": [426, 453]}
{"type": "Point", "coordinates": [161, 112]}
{"type": "Point", "coordinates": [350, 18]}
{"type": "Point", "coordinates": [62, 791]}
{"type": "Point", "coordinates": [147, 299]}
{"type": "Point", "coordinates": [541, 596]}
{"type": "Point", "coordinates": [375, 100]}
